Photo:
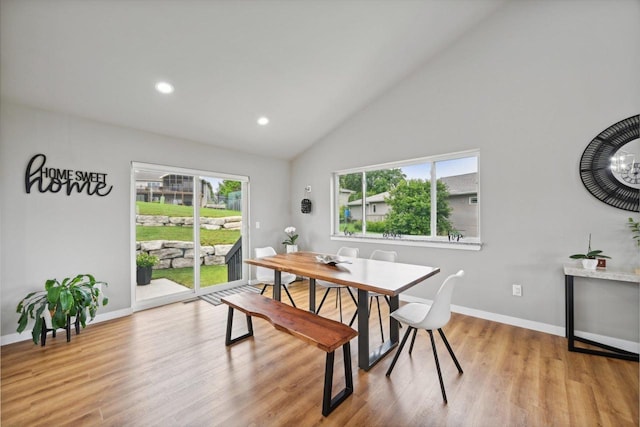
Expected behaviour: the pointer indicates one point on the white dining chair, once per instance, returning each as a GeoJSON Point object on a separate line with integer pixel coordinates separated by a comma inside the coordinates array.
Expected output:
{"type": "Point", "coordinates": [266, 275]}
{"type": "Point", "coordinates": [344, 252]}
{"type": "Point", "coordinates": [429, 317]}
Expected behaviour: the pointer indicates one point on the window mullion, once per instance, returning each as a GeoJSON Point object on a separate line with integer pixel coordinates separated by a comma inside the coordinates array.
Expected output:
{"type": "Point", "coordinates": [364, 203]}
{"type": "Point", "coordinates": [434, 201]}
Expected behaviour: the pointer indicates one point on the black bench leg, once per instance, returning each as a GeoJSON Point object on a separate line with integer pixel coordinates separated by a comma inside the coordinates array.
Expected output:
{"type": "Point", "coordinates": [68, 328]}
{"type": "Point", "coordinates": [328, 403]}
{"type": "Point", "coordinates": [228, 340]}
{"type": "Point", "coordinates": [43, 333]}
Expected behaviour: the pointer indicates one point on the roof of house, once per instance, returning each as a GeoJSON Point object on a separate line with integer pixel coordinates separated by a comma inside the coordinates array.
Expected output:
{"type": "Point", "coordinates": [457, 185]}
{"type": "Point", "coordinates": [461, 184]}
{"type": "Point", "coordinates": [376, 198]}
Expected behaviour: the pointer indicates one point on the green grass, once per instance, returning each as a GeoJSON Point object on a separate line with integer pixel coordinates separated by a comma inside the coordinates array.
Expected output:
{"type": "Point", "coordinates": [148, 208]}
{"type": "Point", "coordinates": [209, 275]}
{"type": "Point", "coordinates": [207, 237]}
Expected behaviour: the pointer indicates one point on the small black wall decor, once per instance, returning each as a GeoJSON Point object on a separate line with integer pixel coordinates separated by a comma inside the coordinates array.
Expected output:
{"type": "Point", "coordinates": [40, 177]}
{"type": "Point", "coordinates": [305, 206]}
{"type": "Point", "coordinates": [596, 166]}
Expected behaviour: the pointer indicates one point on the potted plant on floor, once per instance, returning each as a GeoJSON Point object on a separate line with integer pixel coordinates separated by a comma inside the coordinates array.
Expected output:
{"type": "Point", "coordinates": [72, 297]}
{"type": "Point", "coordinates": [144, 267]}
{"type": "Point", "coordinates": [590, 259]}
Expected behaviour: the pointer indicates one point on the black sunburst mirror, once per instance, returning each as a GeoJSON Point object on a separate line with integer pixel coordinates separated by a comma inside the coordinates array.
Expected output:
{"type": "Point", "coordinates": [595, 166]}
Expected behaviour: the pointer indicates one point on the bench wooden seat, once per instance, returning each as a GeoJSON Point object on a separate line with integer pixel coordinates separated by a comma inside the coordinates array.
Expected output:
{"type": "Point", "coordinates": [325, 334]}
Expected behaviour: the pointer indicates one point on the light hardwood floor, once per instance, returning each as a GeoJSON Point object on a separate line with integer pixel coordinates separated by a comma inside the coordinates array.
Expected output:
{"type": "Point", "coordinates": [169, 367]}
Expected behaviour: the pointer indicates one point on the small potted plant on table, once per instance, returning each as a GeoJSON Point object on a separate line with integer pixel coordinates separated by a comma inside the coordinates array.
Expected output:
{"type": "Point", "coordinates": [590, 259]}
{"type": "Point", "coordinates": [144, 267]}
{"type": "Point", "coordinates": [290, 242]}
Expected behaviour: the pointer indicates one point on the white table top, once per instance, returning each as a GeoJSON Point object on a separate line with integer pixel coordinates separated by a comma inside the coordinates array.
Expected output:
{"type": "Point", "coordinates": [601, 273]}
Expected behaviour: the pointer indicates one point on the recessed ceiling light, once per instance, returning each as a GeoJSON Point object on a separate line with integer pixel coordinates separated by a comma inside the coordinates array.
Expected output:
{"type": "Point", "coordinates": [263, 121]}
{"type": "Point", "coordinates": [164, 87]}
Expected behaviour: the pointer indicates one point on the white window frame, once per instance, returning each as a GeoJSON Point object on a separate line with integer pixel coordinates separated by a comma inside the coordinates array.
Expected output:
{"type": "Point", "coordinates": [468, 243]}
{"type": "Point", "coordinates": [143, 305]}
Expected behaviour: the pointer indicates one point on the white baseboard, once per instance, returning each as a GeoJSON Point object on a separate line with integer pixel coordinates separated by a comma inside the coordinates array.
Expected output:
{"type": "Point", "coordinates": [26, 335]}
{"type": "Point", "coordinates": [508, 320]}
{"type": "Point", "coordinates": [535, 326]}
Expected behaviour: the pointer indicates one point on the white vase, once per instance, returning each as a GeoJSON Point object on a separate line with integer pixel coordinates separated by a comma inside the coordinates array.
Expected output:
{"type": "Point", "coordinates": [589, 264]}
{"type": "Point", "coordinates": [292, 248]}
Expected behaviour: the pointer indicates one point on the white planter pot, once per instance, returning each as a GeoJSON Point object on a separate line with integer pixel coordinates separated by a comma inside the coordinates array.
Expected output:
{"type": "Point", "coordinates": [589, 264]}
{"type": "Point", "coordinates": [292, 248]}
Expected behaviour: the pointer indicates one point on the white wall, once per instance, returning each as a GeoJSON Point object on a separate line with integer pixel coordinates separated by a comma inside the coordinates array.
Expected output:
{"type": "Point", "coordinates": [96, 230]}
{"type": "Point", "coordinates": [530, 87]}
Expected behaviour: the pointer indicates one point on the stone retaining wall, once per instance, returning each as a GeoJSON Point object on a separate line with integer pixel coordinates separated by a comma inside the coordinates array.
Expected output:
{"type": "Point", "coordinates": [179, 254]}
{"type": "Point", "coordinates": [228, 223]}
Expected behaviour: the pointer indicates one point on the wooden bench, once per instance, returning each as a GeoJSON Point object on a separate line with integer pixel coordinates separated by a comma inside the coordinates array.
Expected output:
{"type": "Point", "coordinates": [320, 332]}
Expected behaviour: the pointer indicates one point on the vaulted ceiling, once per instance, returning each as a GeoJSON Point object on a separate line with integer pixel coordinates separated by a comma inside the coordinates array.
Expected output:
{"type": "Point", "coordinates": [307, 65]}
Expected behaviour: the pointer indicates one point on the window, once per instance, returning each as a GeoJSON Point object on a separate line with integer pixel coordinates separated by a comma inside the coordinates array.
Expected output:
{"type": "Point", "coordinates": [393, 201]}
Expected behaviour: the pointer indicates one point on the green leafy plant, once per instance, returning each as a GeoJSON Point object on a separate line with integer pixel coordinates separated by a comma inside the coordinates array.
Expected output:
{"type": "Point", "coordinates": [71, 297]}
{"type": "Point", "coordinates": [145, 260]}
{"type": "Point", "coordinates": [591, 254]}
{"type": "Point", "coordinates": [635, 229]}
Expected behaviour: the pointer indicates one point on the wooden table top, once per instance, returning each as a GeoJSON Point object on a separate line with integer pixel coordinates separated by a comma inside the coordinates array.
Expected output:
{"type": "Point", "coordinates": [387, 278]}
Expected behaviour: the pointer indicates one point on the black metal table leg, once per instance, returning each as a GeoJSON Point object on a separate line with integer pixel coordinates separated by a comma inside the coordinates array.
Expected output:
{"type": "Point", "coordinates": [611, 351]}
{"type": "Point", "coordinates": [366, 359]}
{"type": "Point", "coordinates": [568, 288]}
{"type": "Point", "coordinates": [312, 295]}
{"type": "Point", "coordinates": [277, 281]}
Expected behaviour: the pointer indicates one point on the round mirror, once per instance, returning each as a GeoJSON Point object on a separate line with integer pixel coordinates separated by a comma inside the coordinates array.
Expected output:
{"type": "Point", "coordinates": [609, 167]}
{"type": "Point", "coordinates": [625, 164]}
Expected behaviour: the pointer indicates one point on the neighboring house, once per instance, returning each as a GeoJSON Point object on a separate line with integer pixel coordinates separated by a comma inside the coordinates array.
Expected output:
{"type": "Point", "coordinates": [463, 200]}
{"type": "Point", "coordinates": [343, 196]}
{"type": "Point", "coordinates": [168, 188]}
{"type": "Point", "coordinates": [375, 207]}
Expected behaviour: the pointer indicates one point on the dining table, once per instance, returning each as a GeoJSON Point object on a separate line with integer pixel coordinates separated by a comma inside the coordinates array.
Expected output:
{"type": "Point", "coordinates": [365, 275]}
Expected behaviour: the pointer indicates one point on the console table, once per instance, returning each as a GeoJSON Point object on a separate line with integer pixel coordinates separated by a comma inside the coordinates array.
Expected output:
{"type": "Point", "coordinates": [569, 273]}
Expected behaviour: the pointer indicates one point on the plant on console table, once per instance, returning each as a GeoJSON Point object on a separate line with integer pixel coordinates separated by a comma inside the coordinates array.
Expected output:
{"type": "Point", "coordinates": [59, 302]}
{"type": "Point", "coordinates": [590, 259]}
{"type": "Point", "coordinates": [144, 267]}
{"type": "Point", "coordinates": [290, 242]}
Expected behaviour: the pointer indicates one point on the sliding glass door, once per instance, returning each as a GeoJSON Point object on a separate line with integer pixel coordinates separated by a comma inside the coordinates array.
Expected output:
{"type": "Point", "coordinates": [189, 225]}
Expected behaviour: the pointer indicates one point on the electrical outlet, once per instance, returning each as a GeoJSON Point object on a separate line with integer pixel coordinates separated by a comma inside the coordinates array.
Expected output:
{"type": "Point", "coordinates": [517, 290]}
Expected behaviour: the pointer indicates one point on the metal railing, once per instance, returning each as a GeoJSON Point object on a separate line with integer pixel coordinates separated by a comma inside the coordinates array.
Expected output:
{"type": "Point", "coordinates": [233, 259]}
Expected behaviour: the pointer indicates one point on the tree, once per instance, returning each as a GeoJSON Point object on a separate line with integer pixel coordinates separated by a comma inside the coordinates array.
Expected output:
{"type": "Point", "coordinates": [378, 181]}
{"type": "Point", "coordinates": [226, 187]}
{"type": "Point", "coordinates": [410, 203]}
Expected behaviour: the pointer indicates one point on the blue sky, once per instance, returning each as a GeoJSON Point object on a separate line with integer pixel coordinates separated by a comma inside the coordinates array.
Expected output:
{"type": "Point", "coordinates": [443, 168]}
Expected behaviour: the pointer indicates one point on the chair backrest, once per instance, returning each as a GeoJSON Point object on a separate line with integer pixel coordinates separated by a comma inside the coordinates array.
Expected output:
{"type": "Point", "coordinates": [440, 311]}
{"type": "Point", "coordinates": [349, 252]}
{"type": "Point", "coordinates": [379, 255]}
{"type": "Point", "coordinates": [262, 273]}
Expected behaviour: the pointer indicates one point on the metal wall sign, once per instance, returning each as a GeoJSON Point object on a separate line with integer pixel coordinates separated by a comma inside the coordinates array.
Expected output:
{"type": "Point", "coordinates": [45, 179]}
